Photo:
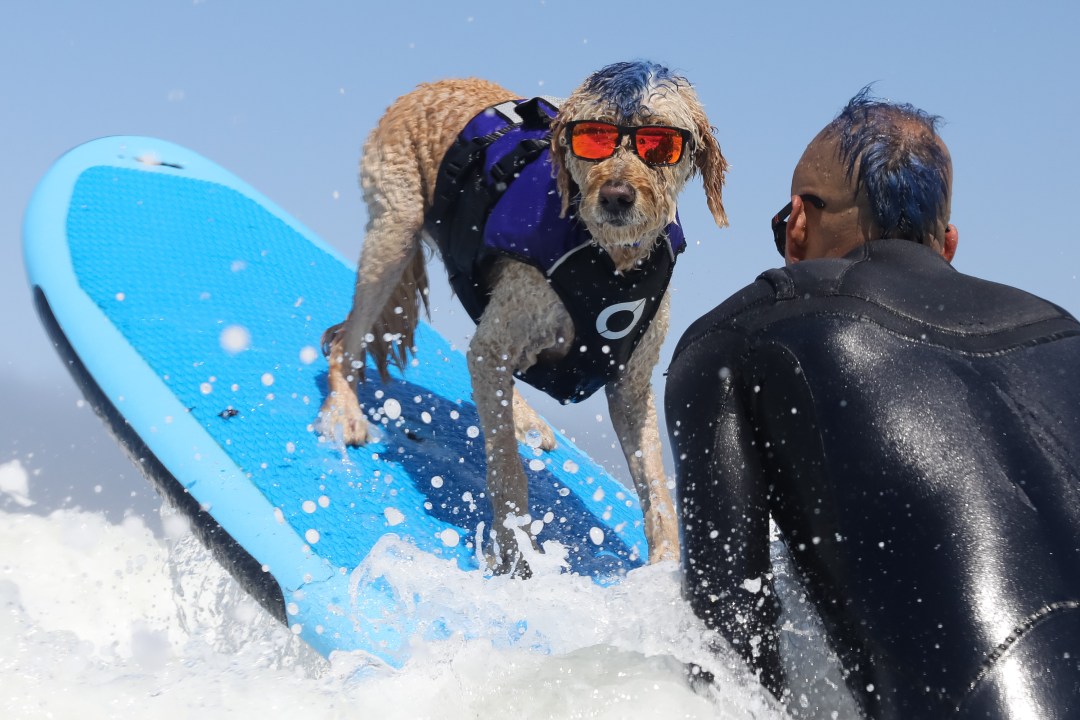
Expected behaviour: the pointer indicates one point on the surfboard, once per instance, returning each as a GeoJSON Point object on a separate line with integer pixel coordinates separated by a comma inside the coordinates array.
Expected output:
{"type": "Point", "coordinates": [189, 309]}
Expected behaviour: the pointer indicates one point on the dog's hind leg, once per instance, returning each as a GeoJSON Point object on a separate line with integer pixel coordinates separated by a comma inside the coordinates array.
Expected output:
{"type": "Point", "coordinates": [529, 427]}
{"type": "Point", "coordinates": [398, 172]}
{"type": "Point", "coordinates": [390, 286]}
{"type": "Point", "coordinates": [632, 406]}
{"type": "Point", "coordinates": [340, 416]}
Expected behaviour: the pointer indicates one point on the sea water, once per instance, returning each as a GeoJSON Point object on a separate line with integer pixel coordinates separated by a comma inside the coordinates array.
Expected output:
{"type": "Point", "coordinates": [103, 619]}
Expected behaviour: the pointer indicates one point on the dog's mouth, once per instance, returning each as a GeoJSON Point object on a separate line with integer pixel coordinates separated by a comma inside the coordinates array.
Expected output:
{"type": "Point", "coordinates": [627, 220]}
{"type": "Point", "coordinates": [615, 220]}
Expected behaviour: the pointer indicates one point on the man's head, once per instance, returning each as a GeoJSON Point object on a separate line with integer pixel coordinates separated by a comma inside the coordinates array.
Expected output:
{"type": "Point", "coordinates": [878, 170]}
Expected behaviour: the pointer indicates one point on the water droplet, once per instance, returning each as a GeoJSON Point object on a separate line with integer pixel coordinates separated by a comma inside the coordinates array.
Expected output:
{"type": "Point", "coordinates": [392, 409]}
{"type": "Point", "coordinates": [235, 339]}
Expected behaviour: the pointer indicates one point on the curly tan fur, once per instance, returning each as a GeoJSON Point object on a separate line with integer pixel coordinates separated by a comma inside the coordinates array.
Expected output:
{"type": "Point", "coordinates": [525, 321]}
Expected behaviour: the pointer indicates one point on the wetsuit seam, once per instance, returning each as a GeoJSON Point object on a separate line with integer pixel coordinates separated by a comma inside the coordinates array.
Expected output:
{"type": "Point", "coordinates": [1024, 329]}
{"type": "Point", "coordinates": [734, 320]}
{"type": "Point", "coordinates": [941, 328]}
{"type": "Point", "coordinates": [847, 269]}
{"type": "Point", "coordinates": [1001, 649]}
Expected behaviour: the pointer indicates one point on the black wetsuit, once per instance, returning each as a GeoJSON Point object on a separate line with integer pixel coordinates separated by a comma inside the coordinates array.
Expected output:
{"type": "Point", "coordinates": [915, 434]}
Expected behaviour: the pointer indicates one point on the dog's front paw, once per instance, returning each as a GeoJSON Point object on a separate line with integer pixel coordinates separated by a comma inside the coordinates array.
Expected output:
{"type": "Point", "coordinates": [342, 419]}
{"type": "Point", "coordinates": [662, 535]}
{"type": "Point", "coordinates": [505, 556]}
{"type": "Point", "coordinates": [664, 552]}
{"type": "Point", "coordinates": [512, 564]}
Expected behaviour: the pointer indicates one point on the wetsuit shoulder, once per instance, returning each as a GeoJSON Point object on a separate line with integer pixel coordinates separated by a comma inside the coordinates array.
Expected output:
{"type": "Point", "coordinates": [765, 301]}
{"type": "Point", "coordinates": [912, 281]}
{"type": "Point", "coordinates": [735, 313]}
{"type": "Point", "coordinates": [903, 286]}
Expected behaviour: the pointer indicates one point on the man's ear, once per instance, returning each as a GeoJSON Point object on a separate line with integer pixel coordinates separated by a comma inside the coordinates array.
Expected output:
{"type": "Point", "coordinates": [795, 249]}
{"type": "Point", "coordinates": [952, 239]}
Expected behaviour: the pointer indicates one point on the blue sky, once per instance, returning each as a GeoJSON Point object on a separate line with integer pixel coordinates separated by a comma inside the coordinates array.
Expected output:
{"type": "Point", "coordinates": [284, 93]}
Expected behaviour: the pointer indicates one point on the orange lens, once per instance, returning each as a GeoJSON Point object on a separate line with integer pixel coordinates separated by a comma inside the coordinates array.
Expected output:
{"type": "Point", "coordinates": [659, 145]}
{"type": "Point", "coordinates": [594, 141]}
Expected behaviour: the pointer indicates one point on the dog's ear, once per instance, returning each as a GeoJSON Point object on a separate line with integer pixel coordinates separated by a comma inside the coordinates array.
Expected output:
{"type": "Point", "coordinates": [564, 184]}
{"type": "Point", "coordinates": [711, 164]}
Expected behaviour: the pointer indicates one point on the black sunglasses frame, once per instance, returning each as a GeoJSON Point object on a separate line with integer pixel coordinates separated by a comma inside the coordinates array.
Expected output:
{"type": "Point", "coordinates": [631, 130]}
{"type": "Point", "coordinates": [779, 221]}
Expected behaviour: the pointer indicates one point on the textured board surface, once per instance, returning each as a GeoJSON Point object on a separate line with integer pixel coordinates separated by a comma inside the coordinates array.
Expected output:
{"type": "Point", "coordinates": [190, 309]}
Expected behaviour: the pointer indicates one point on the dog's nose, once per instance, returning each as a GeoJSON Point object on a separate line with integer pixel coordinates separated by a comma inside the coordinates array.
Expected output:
{"type": "Point", "coordinates": [617, 196]}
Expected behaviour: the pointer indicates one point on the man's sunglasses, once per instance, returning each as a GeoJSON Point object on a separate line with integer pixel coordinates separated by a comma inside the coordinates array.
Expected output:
{"type": "Point", "coordinates": [779, 221]}
{"type": "Point", "coordinates": [656, 145]}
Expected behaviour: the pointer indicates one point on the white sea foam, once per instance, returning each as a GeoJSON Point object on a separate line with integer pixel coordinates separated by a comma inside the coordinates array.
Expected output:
{"type": "Point", "coordinates": [102, 620]}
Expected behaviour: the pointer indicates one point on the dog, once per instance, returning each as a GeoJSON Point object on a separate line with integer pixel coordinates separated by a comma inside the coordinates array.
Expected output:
{"type": "Point", "coordinates": [616, 178]}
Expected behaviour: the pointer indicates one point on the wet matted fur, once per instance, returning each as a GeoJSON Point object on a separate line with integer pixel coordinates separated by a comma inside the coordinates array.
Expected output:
{"type": "Point", "coordinates": [625, 205]}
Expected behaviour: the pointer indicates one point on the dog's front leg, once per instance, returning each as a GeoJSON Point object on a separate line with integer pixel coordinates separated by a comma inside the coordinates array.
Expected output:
{"type": "Point", "coordinates": [633, 414]}
{"type": "Point", "coordinates": [507, 486]}
{"type": "Point", "coordinates": [523, 319]}
{"type": "Point", "coordinates": [632, 406]}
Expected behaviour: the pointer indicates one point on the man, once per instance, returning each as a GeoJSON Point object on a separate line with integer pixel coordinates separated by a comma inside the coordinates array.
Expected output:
{"type": "Point", "coordinates": [913, 432]}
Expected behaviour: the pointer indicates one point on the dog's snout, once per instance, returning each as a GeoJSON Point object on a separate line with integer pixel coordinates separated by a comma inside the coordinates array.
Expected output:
{"type": "Point", "coordinates": [617, 196]}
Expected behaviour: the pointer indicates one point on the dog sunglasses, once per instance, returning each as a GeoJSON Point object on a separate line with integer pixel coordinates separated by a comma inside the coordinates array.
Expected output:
{"type": "Point", "coordinates": [656, 145]}
{"type": "Point", "coordinates": [779, 221]}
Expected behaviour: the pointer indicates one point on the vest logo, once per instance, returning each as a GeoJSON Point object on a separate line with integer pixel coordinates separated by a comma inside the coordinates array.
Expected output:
{"type": "Point", "coordinates": [604, 319]}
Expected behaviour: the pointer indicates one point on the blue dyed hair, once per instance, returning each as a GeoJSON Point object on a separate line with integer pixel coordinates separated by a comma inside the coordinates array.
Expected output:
{"type": "Point", "coordinates": [624, 84]}
{"type": "Point", "coordinates": [892, 151]}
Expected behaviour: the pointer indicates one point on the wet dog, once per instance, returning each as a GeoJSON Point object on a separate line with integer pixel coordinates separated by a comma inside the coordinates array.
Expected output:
{"type": "Point", "coordinates": [622, 147]}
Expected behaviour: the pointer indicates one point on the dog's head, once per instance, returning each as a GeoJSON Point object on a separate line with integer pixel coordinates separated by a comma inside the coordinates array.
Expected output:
{"type": "Point", "coordinates": [626, 199]}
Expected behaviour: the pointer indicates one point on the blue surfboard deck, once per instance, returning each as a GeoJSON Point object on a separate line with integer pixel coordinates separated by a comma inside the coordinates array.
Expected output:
{"type": "Point", "coordinates": [189, 308]}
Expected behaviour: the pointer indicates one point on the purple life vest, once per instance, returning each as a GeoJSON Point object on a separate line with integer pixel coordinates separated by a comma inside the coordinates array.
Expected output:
{"type": "Point", "coordinates": [495, 196]}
